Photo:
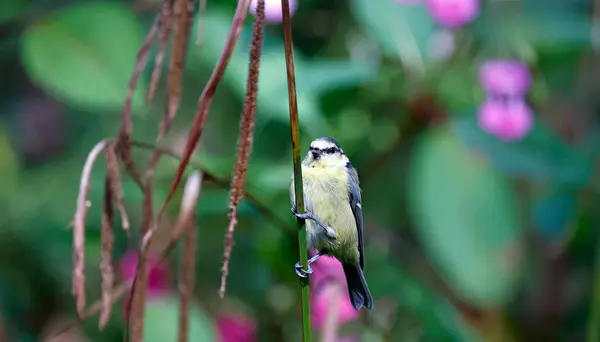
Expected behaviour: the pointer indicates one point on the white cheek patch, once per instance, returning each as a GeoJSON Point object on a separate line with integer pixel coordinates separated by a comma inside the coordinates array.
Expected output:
{"type": "Point", "coordinates": [342, 160]}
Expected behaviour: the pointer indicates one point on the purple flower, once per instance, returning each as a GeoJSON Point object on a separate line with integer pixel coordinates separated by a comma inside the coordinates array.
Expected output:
{"type": "Point", "coordinates": [329, 283]}
{"type": "Point", "coordinates": [236, 328]}
{"type": "Point", "coordinates": [322, 302]}
{"type": "Point", "coordinates": [504, 76]}
{"type": "Point", "coordinates": [157, 276]}
{"type": "Point", "coordinates": [507, 119]}
{"type": "Point", "coordinates": [453, 13]}
{"type": "Point", "coordinates": [326, 269]}
{"type": "Point", "coordinates": [273, 10]}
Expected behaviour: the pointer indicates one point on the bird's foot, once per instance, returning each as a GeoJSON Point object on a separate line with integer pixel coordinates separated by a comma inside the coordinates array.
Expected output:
{"type": "Point", "coordinates": [302, 273]}
{"type": "Point", "coordinates": [305, 216]}
{"type": "Point", "coordinates": [329, 232]}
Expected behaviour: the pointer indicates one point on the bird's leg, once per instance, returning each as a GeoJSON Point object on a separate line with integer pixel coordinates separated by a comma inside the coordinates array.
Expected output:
{"type": "Point", "coordinates": [315, 258]}
{"type": "Point", "coordinates": [302, 273]}
{"type": "Point", "coordinates": [331, 234]}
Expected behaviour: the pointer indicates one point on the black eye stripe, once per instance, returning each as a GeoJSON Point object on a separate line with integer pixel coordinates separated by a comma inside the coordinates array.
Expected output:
{"type": "Point", "coordinates": [329, 150]}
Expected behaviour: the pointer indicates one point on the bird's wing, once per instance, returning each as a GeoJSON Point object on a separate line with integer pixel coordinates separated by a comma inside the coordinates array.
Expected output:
{"type": "Point", "coordinates": [356, 205]}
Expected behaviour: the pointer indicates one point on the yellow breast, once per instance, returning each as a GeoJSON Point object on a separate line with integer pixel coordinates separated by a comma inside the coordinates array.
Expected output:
{"type": "Point", "coordinates": [326, 195]}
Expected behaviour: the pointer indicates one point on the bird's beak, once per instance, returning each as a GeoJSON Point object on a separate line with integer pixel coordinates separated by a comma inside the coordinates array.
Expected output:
{"type": "Point", "coordinates": [315, 154]}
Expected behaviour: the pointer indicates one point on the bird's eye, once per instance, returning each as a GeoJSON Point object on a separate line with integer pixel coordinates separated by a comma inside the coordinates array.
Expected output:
{"type": "Point", "coordinates": [330, 150]}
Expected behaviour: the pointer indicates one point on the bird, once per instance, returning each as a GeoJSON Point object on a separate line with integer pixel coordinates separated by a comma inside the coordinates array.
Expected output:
{"type": "Point", "coordinates": [333, 215]}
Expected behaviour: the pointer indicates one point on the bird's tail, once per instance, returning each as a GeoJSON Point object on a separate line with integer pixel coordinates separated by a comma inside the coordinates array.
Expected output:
{"type": "Point", "coordinates": [357, 287]}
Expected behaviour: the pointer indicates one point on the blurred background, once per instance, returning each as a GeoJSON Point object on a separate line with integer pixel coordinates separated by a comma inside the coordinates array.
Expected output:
{"type": "Point", "coordinates": [473, 124]}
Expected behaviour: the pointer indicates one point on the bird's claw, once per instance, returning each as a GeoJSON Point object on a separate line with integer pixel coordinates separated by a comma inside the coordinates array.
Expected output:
{"type": "Point", "coordinates": [302, 273]}
{"type": "Point", "coordinates": [329, 232]}
{"type": "Point", "coordinates": [304, 216]}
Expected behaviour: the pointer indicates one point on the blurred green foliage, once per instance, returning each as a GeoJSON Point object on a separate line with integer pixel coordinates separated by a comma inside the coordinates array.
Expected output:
{"type": "Point", "coordinates": [468, 238]}
{"type": "Point", "coordinates": [475, 224]}
{"type": "Point", "coordinates": [84, 54]}
{"type": "Point", "coordinates": [162, 322]}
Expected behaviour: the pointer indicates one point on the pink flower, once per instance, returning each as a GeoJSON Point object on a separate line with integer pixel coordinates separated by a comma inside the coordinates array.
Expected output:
{"type": "Point", "coordinates": [157, 278]}
{"type": "Point", "coordinates": [508, 120]}
{"type": "Point", "coordinates": [322, 299]}
{"type": "Point", "coordinates": [273, 10]}
{"type": "Point", "coordinates": [328, 283]}
{"type": "Point", "coordinates": [503, 76]}
{"type": "Point", "coordinates": [236, 329]}
{"type": "Point", "coordinates": [325, 269]}
{"type": "Point", "coordinates": [453, 13]}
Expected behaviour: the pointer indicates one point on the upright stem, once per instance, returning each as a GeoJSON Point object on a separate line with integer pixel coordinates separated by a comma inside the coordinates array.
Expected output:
{"type": "Point", "coordinates": [302, 248]}
{"type": "Point", "coordinates": [593, 326]}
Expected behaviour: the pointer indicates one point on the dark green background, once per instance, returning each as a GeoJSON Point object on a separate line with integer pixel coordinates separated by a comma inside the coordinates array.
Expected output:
{"type": "Point", "coordinates": [467, 238]}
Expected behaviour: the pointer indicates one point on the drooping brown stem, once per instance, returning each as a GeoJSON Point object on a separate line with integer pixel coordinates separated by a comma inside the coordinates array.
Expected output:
{"type": "Point", "coordinates": [167, 16]}
{"type": "Point", "coordinates": [108, 239]}
{"type": "Point", "coordinates": [138, 294]}
{"type": "Point", "coordinates": [187, 207]}
{"type": "Point", "coordinates": [187, 278]}
{"type": "Point", "coordinates": [184, 10]}
{"type": "Point", "coordinates": [79, 227]}
{"type": "Point", "coordinates": [113, 175]}
{"type": "Point", "coordinates": [238, 181]}
{"type": "Point", "coordinates": [206, 97]}
{"type": "Point", "coordinates": [126, 125]}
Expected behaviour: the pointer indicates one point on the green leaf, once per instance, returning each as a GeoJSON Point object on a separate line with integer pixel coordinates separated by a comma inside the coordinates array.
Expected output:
{"type": "Point", "coordinates": [528, 32]}
{"type": "Point", "coordinates": [540, 155]}
{"type": "Point", "coordinates": [162, 322]}
{"type": "Point", "coordinates": [457, 86]}
{"type": "Point", "coordinates": [322, 75]}
{"type": "Point", "coordinates": [552, 213]}
{"type": "Point", "coordinates": [9, 168]}
{"type": "Point", "coordinates": [466, 215]}
{"type": "Point", "coordinates": [402, 30]}
{"type": "Point", "coordinates": [85, 54]}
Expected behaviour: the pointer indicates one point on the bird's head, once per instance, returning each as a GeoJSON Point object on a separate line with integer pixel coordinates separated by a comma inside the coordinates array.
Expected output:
{"type": "Point", "coordinates": [325, 152]}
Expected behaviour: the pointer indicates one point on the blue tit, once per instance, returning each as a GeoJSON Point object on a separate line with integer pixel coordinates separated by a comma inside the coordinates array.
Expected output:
{"type": "Point", "coordinates": [334, 221]}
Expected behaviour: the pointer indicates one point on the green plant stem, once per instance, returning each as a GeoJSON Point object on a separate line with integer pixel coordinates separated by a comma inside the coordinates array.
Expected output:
{"type": "Point", "coordinates": [295, 131]}
{"type": "Point", "coordinates": [593, 328]}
